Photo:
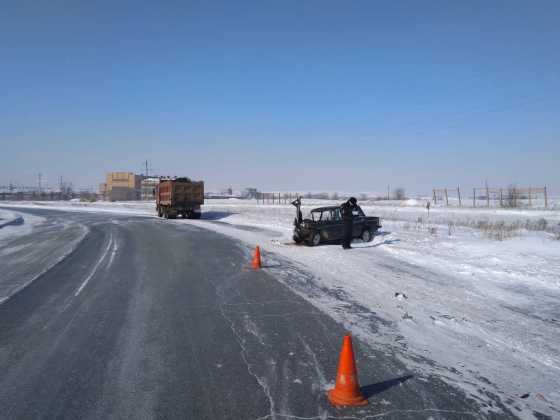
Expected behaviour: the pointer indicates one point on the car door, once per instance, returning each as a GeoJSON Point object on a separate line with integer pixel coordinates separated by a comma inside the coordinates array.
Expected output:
{"type": "Point", "coordinates": [328, 226]}
{"type": "Point", "coordinates": [358, 218]}
{"type": "Point", "coordinates": [338, 225]}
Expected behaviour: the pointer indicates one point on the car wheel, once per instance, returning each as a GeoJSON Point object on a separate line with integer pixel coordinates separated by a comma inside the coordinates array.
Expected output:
{"type": "Point", "coordinates": [367, 235]}
{"type": "Point", "coordinates": [315, 239]}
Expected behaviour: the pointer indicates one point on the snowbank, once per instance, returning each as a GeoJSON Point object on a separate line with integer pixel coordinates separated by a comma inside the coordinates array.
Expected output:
{"type": "Point", "coordinates": [14, 224]}
{"type": "Point", "coordinates": [31, 248]}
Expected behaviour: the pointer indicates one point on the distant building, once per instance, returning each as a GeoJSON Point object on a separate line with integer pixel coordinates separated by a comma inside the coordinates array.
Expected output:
{"type": "Point", "coordinates": [148, 188]}
{"type": "Point", "coordinates": [103, 191]}
{"type": "Point", "coordinates": [123, 186]}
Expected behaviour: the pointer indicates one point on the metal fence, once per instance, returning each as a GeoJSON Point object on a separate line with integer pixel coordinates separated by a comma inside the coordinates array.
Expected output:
{"type": "Point", "coordinates": [276, 198]}
{"type": "Point", "coordinates": [489, 197]}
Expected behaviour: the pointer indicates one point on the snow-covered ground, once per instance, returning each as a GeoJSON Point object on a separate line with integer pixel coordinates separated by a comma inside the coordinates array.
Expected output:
{"type": "Point", "coordinates": [475, 291]}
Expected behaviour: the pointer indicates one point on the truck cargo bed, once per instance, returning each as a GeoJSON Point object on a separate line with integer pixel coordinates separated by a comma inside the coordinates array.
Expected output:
{"type": "Point", "coordinates": [180, 196]}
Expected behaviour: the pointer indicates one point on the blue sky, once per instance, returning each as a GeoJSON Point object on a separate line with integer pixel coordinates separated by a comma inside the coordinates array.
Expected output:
{"type": "Point", "coordinates": [286, 95]}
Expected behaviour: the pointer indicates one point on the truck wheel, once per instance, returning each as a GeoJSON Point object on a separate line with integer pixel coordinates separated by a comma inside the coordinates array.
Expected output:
{"type": "Point", "coordinates": [367, 235]}
{"type": "Point", "coordinates": [159, 213]}
{"type": "Point", "coordinates": [315, 239]}
{"type": "Point", "coordinates": [194, 215]}
{"type": "Point", "coordinates": [165, 214]}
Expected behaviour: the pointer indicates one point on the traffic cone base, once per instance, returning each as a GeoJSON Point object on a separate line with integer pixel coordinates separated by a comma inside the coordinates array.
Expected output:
{"type": "Point", "coordinates": [340, 400]}
{"type": "Point", "coordinates": [346, 391]}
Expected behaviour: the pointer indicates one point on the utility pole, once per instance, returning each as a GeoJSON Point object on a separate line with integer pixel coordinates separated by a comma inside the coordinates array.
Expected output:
{"type": "Point", "coordinates": [39, 181]}
{"type": "Point", "coordinates": [146, 168]}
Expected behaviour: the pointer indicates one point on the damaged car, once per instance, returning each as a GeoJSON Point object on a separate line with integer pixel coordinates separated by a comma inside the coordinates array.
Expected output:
{"type": "Point", "coordinates": [325, 225]}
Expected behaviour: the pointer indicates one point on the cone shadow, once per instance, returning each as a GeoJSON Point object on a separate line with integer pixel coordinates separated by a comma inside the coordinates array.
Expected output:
{"type": "Point", "coordinates": [374, 389]}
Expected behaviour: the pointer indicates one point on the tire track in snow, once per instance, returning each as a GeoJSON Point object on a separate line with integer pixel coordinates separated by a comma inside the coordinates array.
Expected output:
{"type": "Point", "coordinates": [97, 264]}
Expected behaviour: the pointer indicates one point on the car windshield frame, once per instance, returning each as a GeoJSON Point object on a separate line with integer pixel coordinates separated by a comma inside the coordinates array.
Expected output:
{"type": "Point", "coordinates": [319, 217]}
{"type": "Point", "coordinates": [359, 211]}
{"type": "Point", "coordinates": [332, 215]}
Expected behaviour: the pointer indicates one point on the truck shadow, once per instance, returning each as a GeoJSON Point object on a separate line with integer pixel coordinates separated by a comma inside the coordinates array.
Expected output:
{"type": "Point", "coordinates": [215, 215]}
{"type": "Point", "coordinates": [374, 389]}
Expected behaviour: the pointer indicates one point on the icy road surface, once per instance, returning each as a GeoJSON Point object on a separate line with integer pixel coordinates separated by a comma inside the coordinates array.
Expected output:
{"type": "Point", "coordinates": [151, 319]}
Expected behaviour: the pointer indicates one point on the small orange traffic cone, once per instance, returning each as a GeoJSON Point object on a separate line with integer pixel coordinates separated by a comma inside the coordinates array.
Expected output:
{"type": "Point", "coordinates": [346, 391]}
{"type": "Point", "coordinates": [257, 259]}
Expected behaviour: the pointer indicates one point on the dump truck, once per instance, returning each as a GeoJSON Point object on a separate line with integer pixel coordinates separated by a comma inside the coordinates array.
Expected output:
{"type": "Point", "coordinates": [179, 196]}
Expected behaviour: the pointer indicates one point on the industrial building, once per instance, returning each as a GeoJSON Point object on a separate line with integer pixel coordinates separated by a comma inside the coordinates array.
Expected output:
{"type": "Point", "coordinates": [122, 186]}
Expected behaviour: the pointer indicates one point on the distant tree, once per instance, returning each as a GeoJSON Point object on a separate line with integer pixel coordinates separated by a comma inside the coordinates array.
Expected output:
{"type": "Point", "coordinates": [334, 196]}
{"type": "Point", "coordinates": [400, 194]}
{"type": "Point", "coordinates": [308, 195]}
{"type": "Point", "coordinates": [363, 197]}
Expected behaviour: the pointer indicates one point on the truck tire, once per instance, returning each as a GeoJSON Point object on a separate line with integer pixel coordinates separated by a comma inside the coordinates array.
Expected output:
{"type": "Point", "coordinates": [315, 239]}
{"type": "Point", "coordinates": [159, 212]}
{"type": "Point", "coordinates": [367, 235]}
{"type": "Point", "coordinates": [194, 215]}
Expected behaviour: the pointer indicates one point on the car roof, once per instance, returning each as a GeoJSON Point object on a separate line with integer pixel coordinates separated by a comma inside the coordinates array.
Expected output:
{"type": "Point", "coordinates": [325, 208]}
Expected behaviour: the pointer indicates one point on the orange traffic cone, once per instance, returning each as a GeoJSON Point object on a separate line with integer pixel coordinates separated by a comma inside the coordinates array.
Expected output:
{"type": "Point", "coordinates": [346, 391]}
{"type": "Point", "coordinates": [257, 259]}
